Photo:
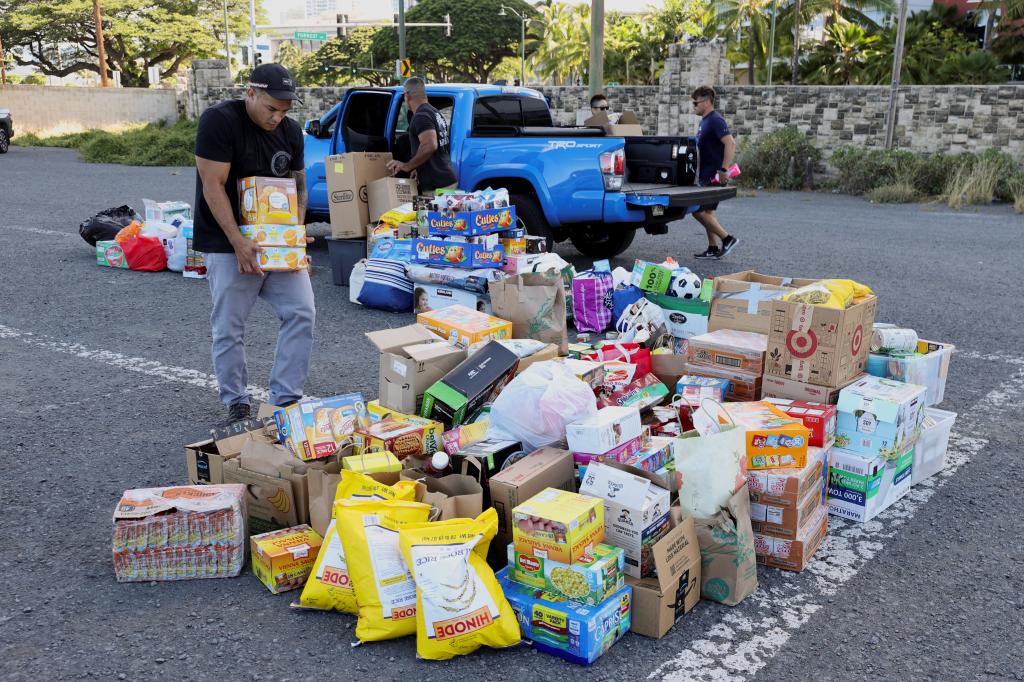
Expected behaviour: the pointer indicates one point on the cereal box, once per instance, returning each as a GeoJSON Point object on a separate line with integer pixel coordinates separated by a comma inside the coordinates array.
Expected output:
{"type": "Point", "coordinates": [399, 437]}
{"type": "Point", "coordinates": [616, 454]}
{"type": "Point", "coordinates": [313, 429]}
{"type": "Point", "coordinates": [470, 223]}
{"type": "Point", "coordinates": [268, 200]}
{"type": "Point", "coordinates": [464, 326]}
{"type": "Point", "coordinates": [819, 418]}
{"type": "Point", "coordinates": [558, 525]}
{"type": "Point", "coordinates": [457, 254]}
{"type": "Point", "coordinates": [432, 434]}
{"type": "Point", "coordinates": [774, 439]}
{"type": "Point", "coordinates": [275, 235]}
{"type": "Point", "coordinates": [591, 580]}
{"type": "Point", "coordinates": [572, 631]}
{"type": "Point", "coordinates": [282, 559]}
{"type": "Point", "coordinates": [283, 258]}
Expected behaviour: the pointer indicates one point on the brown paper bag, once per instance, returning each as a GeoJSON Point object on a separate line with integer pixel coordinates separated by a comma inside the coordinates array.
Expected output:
{"type": "Point", "coordinates": [728, 561]}
{"type": "Point", "coordinates": [535, 305]}
{"type": "Point", "coordinates": [455, 496]}
{"type": "Point", "coordinates": [322, 488]}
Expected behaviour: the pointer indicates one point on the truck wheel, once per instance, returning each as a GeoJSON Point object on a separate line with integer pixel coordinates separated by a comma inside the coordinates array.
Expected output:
{"type": "Point", "coordinates": [533, 218]}
{"type": "Point", "coordinates": [5, 143]}
{"type": "Point", "coordinates": [602, 242]}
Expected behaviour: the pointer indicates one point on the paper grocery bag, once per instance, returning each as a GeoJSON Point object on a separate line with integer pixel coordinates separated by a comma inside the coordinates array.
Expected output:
{"type": "Point", "coordinates": [728, 561]}
{"type": "Point", "coordinates": [709, 469]}
{"type": "Point", "coordinates": [455, 496]}
{"type": "Point", "coordinates": [322, 488]}
{"type": "Point", "coordinates": [535, 305]}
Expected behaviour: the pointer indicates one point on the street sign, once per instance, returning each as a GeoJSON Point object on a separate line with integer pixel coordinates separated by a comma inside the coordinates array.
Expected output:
{"type": "Point", "coordinates": [309, 35]}
{"type": "Point", "coordinates": [406, 68]}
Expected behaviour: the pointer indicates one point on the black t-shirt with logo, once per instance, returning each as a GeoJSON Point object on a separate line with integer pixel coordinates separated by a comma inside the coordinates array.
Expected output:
{"type": "Point", "coordinates": [227, 134]}
{"type": "Point", "coordinates": [437, 170]}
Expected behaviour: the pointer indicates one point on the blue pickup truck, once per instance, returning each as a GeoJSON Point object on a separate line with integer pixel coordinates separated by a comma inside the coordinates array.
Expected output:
{"type": "Point", "coordinates": [579, 183]}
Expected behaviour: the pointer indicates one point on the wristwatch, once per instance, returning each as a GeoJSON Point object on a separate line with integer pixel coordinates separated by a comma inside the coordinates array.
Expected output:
{"type": "Point", "coordinates": [723, 170]}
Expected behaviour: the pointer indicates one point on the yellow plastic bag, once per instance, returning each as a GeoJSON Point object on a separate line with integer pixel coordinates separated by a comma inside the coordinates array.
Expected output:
{"type": "Point", "coordinates": [830, 293]}
{"type": "Point", "coordinates": [329, 587]}
{"type": "Point", "coordinates": [393, 217]}
{"type": "Point", "coordinates": [385, 591]}
{"type": "Point", "coordinates": [459, 604]}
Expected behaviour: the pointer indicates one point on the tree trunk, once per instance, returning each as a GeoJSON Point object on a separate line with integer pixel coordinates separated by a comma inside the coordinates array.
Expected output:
{"type": "Point", "coordinates": [990, 22]}
{"type": "Point", "coordinates": [750, 57]}
{"type": "Point", "coordinates": [794, 66]}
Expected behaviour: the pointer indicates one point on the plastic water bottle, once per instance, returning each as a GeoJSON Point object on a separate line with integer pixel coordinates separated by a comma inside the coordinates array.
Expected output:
{"type": "Point", "coordinates": [440, 464]}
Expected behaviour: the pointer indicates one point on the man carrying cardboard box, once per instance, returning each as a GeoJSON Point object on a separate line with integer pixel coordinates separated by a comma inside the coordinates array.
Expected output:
{"type": "Point", "coordinates": [237, 139]}
{"type": "Point", "coordinates": [430, 165]}
{"type": "Point", "coordinates": [717, 150]}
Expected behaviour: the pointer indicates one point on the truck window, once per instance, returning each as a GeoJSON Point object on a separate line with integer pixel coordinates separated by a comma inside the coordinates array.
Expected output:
{"type": "Point", "coordinates": [536, 112]}
{"type": "Point", "coordinates": [366, 114]}
{"type": "Point", "coordinates": [509, 110]}
{"type": "Point", "coordinates": [400, 147]}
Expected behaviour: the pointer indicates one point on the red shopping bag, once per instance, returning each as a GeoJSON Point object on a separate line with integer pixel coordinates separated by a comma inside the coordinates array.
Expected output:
{"type": "Point", "coordinates": [145, 253]}
{"type": "Point", "coordinates": [626, 352]}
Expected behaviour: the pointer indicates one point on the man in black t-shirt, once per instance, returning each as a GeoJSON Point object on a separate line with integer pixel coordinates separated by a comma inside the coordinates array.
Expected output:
{"type": "Point", "coordinates": [429, 140]}
{"type": "Point", "coordinates": [237, 139]}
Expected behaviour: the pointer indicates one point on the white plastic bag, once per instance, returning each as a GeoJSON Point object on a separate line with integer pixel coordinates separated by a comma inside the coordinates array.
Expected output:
{"type": "Point", "coordinates": [355, 281]}
{"type": "Point", "coordinates": [160, 230]}
{"type": "Point", "coordinates": [535, 407]}
{"type": "Point", "coordinates": [710, 468]}
{"type": "Point", "coordinates": [176, 250]}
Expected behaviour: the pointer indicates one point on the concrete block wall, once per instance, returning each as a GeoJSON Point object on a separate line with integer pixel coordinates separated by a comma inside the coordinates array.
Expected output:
{"type": "Point", "coordinates": [49, 110]}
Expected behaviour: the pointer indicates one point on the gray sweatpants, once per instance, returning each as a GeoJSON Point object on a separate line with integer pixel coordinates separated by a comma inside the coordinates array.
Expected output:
{"type": "Point", "coordinates": [234, 295]}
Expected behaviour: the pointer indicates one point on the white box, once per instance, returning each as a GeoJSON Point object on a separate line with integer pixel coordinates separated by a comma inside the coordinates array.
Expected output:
{"type": "Point", "coordinates": [636, 513]}
{"type": "Point", "coordinates": [930, 451]}
{"type": "Point", "coordinates": [862, 486]}
{"type": "Point", "coordinates": [437, 296]}
{"type": "Point", "coordinates": [606, 430]}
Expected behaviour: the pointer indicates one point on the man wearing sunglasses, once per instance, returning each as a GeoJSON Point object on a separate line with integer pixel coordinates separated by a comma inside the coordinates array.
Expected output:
{"type": "Point", "coordinates": [598, 105]}
{"type": "Point", "coordinates": [717, 149]}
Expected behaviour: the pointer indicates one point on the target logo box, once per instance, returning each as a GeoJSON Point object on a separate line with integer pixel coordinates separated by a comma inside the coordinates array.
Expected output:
{"type": "Point", "coordinates": [817, 345]}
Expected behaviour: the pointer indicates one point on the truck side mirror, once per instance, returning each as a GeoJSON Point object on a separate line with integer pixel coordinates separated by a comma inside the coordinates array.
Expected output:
{"type": "Point", "coordinates": [313, 127]}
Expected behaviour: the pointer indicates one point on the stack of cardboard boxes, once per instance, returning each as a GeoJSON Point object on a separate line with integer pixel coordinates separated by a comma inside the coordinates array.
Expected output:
{"type": "Point", "coordinates": [269, 212]}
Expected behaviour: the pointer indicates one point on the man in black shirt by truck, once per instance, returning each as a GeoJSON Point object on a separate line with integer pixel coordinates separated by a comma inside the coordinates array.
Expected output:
{"type": "Point", "coordinates": [429, 140]}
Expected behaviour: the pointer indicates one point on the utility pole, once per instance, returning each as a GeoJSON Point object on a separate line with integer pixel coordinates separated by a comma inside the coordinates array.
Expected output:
{"type": "Point", "coordinates": [795, 65]}
{"type": "Point", "coordinates": [596, 79]}
{"type": "Point", "coordinates": [97, 15]}
{"type": "Point", "coordinates": [227, 43]}
{"type": "Point", "coordinates": [252, 31]}
{"type": "Point", "coordinates": [401, 32]}
{"type": "Point", "coordinates": [897, 67]}
{"type": "Point", "coordinates": [3, 63]}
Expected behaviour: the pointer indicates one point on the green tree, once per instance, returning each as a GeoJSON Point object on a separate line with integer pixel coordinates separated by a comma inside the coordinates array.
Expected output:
{"type": "Point", "coordinates": [842, 59]}
{"type": "Point", "coordinates": [332, 64]}
{"type": "Point", "coordinates": [57, 37]}
{"type": "Point", "coordinates": [480, 39]}
{"type": "Point", "coordinates": [801, 12]}
{"type": "Point", "coordinates": [562, 47]}
{"type": "Point", "coordinates": [979, 67]}
{"type": "Point", "coordinates": [290, 56]}
{"type": "Point", "coordinates": [747, 22]}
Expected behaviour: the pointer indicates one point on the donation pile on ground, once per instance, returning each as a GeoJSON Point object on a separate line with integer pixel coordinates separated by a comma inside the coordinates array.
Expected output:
{"type": "Point", "coordinates": [506, 485]}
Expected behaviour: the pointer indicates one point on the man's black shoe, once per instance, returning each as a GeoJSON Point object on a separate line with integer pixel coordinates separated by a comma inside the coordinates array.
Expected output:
{"type": "Point", "coordinates": [728, 244]}
{"type": "Point", "coordinates": [238, 412]}
{"type": "Point", "coordinates": [712, 252]}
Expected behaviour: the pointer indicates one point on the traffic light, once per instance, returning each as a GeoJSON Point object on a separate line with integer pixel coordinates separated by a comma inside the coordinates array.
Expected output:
{"type": "Point", "coordinates": [340, 29]}
{"type": "Point", "coordinates": [257, 59]}
{"type": "Point", "coordinates": [448, 27]}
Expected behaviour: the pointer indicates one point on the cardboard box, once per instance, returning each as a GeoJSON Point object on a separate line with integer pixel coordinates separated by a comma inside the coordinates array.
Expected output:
{"type": "Point", "coordinates": [401, 438]}
{"type": "Point", "coordinates": [429, 297]}
{"type": "Point", "coordinates": [604, 431]}
{"type": "Point", "coordinates": [571, 631]}
{"type": "Point", "coordinates": [818, 345]}
{"type": "Point", "coordinates": [636, 511]}
{"type": "Point", "coordinates": [557, 524]}
{"type": "Point", "coordinates": [275, 235]}
{"type": "Point", "coordinates": [777, 387]}
{"type": "Point", "coordinates": [484, 459]}
{"type": "Point", "coordinates": [773, 439]}
{"type": "Point", "coordinates": [283, 259]}
{"type": "Point", "coordinates": [543, 468]}
{"type": "Point", "coordinates": [693, 389]}
{"type": "Point", "coordinates": [457, 254]}
{"type": "Point", "coordinates": [270, 500]}
{"type": "Point", "coordinates": [792, 554]}
{"type": "Point", "coordinates": [283, 559]}
{"type": "Point", "coordinates": [743, 386]}
{"type": "Point", "coordinates": [313, 429]}
{"type": "Point", "coordinates": [659, 602]}
{"type": "Point", "coordinates": [879, 416]}
{"type": "Point", "coordinates": [110, 254]}
{"type": "Point", "coordinates": [347, 178]}
{"type": "Point", "coordinates": [411, 360]}
{"type": "Point", "coordinates": [464, 326]}
{"type": "Point", "coordinates": [386, 193]}
{"type": "Point", "coordinates": [742, 300]}
{"type": "Point", "coordinates": [470, 223]}
{"type": "Point", "coordinates": [589, 372]}
{"type": "Point", "coordinates": [668, 367]}
{"type": "Point", "coordinates": [819, 418]}
{"type": "Point", "coordinates": [465, 389]}
{"type": "Point", "coordinates": [616, 454]}
{"type": "Point", "coordinates": [268, 200]}
{"type": "Point", "coordinates": [591, 580]}
{"type": "Point", "coordinates": [627, 125]}
{"type": "Point", "coordinates": [205, 459]}
{"type": "Point", "coordinates": [728, 349]}
{"type": "Point", "coordinates": [784, 521]}
{"type": "Point", "coordinates": [860, 486]}
{"type": "Point", "coordinates": [548, 352]}
{"type": "Point", "coordinates": [786, 487]}
{"type": "Point", "coordinates": [432, 440]}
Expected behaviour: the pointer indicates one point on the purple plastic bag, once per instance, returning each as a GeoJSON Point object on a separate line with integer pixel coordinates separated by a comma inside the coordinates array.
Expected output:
{"type": "Point", "coordinates": [592, 301]}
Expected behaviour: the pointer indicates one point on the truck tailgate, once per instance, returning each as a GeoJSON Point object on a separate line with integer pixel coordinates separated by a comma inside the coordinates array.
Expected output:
{"type": "Point", "coordinates": [674, 195]}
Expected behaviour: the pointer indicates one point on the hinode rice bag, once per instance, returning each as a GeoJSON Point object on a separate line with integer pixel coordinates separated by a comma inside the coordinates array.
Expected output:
{"type": "Point", "coordinates": [459, 604]}
{"type": "Point", "coordinates": [385, 591]}
{"type": "Point", "coordinates": [329, 586]}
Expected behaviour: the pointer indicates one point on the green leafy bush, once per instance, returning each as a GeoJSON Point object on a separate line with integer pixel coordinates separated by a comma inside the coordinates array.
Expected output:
{"type": "Point", "coordinates": [777, 160]}
{"type": "Point", "coordinates": [156, 144]}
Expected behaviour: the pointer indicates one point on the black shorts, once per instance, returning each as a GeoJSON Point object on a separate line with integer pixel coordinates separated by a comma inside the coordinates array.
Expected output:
{"type": "Point", "coordinates": [706, 207]}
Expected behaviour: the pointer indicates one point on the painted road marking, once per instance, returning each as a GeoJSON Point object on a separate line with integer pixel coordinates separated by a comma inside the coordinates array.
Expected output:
{"type": "Point", "coordinates": [39, 230]}
{"type": "Point", "coordinates": [749, 635]}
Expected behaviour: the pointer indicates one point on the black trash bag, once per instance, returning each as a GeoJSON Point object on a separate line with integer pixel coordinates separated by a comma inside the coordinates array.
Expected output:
{"type": "Point", "coordinates": [107, 223]}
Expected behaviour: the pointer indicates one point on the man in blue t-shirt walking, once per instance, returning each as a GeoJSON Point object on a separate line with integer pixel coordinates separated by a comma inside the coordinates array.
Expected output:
{"type": "Point", "coordinates": [717, 149]}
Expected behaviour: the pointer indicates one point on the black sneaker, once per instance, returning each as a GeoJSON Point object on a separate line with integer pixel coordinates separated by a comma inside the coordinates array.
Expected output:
{"type": "Point", "coordinates": [728, 244]}
{"type": "Point", "coordinates": [712, 252]}
{"type": "Point", "coordinates": [238, 412]}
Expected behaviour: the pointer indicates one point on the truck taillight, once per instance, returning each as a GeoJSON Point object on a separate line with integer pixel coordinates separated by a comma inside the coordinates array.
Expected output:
{"type": "Point", "coordinates": [613, 168]}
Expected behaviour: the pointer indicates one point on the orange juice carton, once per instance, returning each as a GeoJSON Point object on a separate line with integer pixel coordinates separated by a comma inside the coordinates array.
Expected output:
{"type": "Point", "coordinates": [268, 200]}
{"type": "Point", "coordinates": [282, 559]}
{"type": "Point", "coordinates": [275, 235]}
{"type": "Point", "coordinates": [283, 258]}
{"type": "Point", "coordinates": [774, 439]}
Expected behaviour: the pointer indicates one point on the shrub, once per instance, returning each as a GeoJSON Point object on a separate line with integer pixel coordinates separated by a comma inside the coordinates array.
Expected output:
{"type": "Point", "coordinates": [1016, 187]}
{"type": "Point", "coordinates": [974, 182]}
{"type": "Point", "coordinates": [860, 170]}
{"type": "Point", "coordinates": [156, 144]}
{"type": "Point", "coordinates": [896, 193]}
{"type": "Point", "coordinates": [777, 160]}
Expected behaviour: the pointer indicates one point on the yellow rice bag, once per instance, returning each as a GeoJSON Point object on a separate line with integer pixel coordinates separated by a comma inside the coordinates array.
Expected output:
{"type": "Point", "coordinates": [385, 591]}
{"type": "Point", "coordinates": [459, 604]}
{"type": "Point", "coordinates": [329, 586]}
{"type": "Point", "coordinates": [830, 293]}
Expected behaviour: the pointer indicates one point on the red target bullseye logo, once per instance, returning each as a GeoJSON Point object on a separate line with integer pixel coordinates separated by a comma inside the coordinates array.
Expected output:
{"type": "Point", "coordinates": [858, 338]}
{"type": "Point", "coordinates": [801, 344]}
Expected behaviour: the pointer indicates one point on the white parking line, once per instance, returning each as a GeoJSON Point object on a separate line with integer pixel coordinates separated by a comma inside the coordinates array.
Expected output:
{"type": "Point", "coordinates": [38, 230]}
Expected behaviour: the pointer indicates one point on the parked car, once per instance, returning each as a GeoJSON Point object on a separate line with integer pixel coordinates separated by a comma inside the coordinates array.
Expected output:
{"type": "Point", "coordinates": [6, 130]}
{"type": "Point", "coordinates": [580, 184]}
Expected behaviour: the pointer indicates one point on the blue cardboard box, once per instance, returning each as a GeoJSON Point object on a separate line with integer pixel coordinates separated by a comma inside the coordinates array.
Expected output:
{"type": "Point", "coordinates": [456, 254]}
{"type": "Point", "coordinates": [470, 223]}
{"type": "Point", "coordinates": [570, 630]}
{"type": "Point", "coordinates": [879, 416]}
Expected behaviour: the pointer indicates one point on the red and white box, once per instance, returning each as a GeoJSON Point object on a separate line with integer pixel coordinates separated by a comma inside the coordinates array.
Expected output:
{"type": "Point", "coordinates": [819, 418]}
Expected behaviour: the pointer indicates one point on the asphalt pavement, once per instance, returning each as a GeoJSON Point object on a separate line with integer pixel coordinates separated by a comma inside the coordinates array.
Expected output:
{"type": "Point", "coordinates": [107, 373]}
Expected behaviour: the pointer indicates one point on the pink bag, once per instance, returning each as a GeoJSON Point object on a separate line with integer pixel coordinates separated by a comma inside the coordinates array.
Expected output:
{"type": "Point", "coordinates": [592, 301]}
{"type": "Point", "coordinates": [632, 353]}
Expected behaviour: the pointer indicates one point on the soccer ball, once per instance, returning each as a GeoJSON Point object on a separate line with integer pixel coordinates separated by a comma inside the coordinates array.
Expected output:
{"type": "Point", "coordinates": [684, 284]}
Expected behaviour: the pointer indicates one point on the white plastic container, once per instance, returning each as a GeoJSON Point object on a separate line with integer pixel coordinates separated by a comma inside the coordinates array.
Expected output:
{"type": "Point", "coordinates": [928, 370]}
{"type": "Point", "coordinates": [930, 450]}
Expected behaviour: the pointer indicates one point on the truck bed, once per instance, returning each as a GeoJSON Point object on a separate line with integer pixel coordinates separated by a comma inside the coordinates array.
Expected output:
{"type": "Point", "coordinates": [679, 195]}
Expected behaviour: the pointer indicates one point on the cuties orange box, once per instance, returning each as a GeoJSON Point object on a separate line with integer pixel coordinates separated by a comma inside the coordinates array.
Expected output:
{"type": "Point", "coordinates": [282, 559]}
{"type": "Point", "coordinates": [275, 235]}
{"type": "Point", "coordinates": [268, 200]}
{"type": "Point", "coordinates": [774, 439]}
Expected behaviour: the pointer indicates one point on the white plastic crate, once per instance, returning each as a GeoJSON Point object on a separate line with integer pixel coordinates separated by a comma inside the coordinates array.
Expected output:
{"type": "Point", "coordinates": [928, 370]}
{"type": "Point", "coordinates": [930, 451]}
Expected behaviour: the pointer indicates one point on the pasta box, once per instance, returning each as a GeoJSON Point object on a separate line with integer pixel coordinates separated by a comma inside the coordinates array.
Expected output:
{"type": "Point", "coordinates": [819, 418]}
{"type": "Point", "coordinates": [567, 629]}
{"type": "Point", "coordinates": [470, 223]}
{"type": "Point", "coordinates": [457, 254]}
{"type": "Point", "coordinates": [774, 439]}
{"type": "Point", "coordinates": [592, 579]}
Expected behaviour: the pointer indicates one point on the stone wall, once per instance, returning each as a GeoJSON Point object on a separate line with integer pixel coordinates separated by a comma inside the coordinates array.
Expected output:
{"type": "Point", "coordinates": [51, 110]}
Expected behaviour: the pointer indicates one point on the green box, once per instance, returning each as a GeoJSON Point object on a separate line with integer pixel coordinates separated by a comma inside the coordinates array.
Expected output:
{"type": "Point", "coordinates": [602, 572]}
{"type": "Point", "coordinates": [110, 254]}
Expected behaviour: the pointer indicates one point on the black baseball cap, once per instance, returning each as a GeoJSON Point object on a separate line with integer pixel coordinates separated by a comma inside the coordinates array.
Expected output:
{"type": "Point", "coordinates": [275, 80]}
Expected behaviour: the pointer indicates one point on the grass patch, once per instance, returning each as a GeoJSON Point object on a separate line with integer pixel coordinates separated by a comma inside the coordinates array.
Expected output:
{"type": "Point", "coordinates": [155, 144]}
{"type": "Point", "coordinates": [973, 183]}
{"type": "Point", "coordinates": [896, 193]}
{"type": "Point", "coordinates": [1016, 186]}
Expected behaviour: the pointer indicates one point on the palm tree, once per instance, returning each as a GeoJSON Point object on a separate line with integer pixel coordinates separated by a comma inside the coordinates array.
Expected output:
{"type": "Point", "coordinates": [803, 11]}
{"type": "Point", "coordinates": [562, 49]}
{"type": "Point", "coordinates": [752, 15]}
{"type": "Point", "coordinates": [844, 56]}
